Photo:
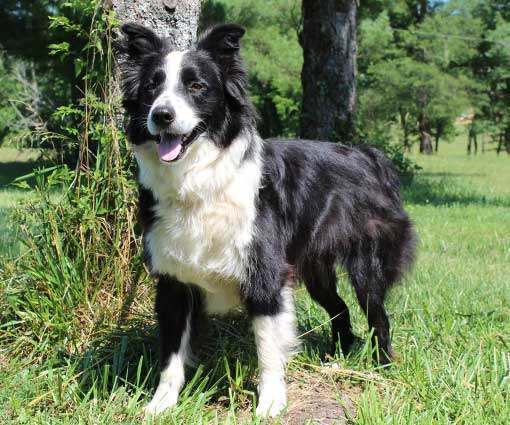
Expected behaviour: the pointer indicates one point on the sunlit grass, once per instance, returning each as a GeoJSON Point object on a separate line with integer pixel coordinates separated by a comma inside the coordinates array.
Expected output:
{"type": "Point", "coordinates": [450, 318]}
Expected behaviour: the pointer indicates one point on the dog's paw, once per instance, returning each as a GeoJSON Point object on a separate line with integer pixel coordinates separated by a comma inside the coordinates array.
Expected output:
{"type": "Point", "coordinates": [272, 399]}
{"type": "Point", "coordinates": [164, 398]}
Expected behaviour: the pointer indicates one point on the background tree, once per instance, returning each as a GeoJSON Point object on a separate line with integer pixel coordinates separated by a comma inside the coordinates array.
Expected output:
{"type": "Point", "coordinates": [493, 67]}
{"type": "Point", "coordinates": [413, 72]}
{"type": "Point", "coordinates": [51, 81]}
{"type": "Point", "coordinates": [329, 70]}
{"type": "Point", "coordinates": [461, 45]}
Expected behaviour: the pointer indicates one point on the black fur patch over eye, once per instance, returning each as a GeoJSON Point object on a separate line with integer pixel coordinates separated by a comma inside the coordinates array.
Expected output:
{"type": "Point", "coordinates": [222, 43]}
{"type": "Point", "coordinates": [151, 86]}
{"type": "Point", "coordinates": [155, 81]}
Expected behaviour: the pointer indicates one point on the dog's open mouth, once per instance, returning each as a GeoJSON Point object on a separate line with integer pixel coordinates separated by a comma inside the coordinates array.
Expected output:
{"type": "Point", "coordinates": [171, 147]}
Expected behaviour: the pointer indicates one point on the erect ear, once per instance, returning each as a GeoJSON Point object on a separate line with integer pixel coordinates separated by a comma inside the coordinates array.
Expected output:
{"type": "Point", "coordinates": [222, 43]}
{"type": "Point", "coordinates": [222, 40]}
{"type": "Point", "coordinates": [138, 45]}
{"type": "Point", "coordinates": [140, 41]}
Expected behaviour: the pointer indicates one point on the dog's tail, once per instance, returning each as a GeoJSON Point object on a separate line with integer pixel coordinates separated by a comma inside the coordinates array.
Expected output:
{"type": "Point", "coordinates": [398, 241]}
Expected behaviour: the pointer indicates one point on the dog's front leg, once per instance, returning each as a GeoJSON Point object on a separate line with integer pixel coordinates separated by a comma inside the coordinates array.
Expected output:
{"type": "Point", "coordinates": [275, 338]}
{"type": "Point", "coordinates": [176, 307]}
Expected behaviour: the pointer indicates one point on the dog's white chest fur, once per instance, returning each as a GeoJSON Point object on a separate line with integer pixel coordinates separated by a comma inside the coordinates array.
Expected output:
{"type": "Point", "coordinates": [203, 217]}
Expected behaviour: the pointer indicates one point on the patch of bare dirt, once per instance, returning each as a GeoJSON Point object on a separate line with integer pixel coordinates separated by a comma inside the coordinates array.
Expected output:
{"type": "Point", "coordinates": [317, 399]}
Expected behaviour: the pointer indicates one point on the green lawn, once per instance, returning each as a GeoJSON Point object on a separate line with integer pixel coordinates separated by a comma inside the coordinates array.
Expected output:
{"type": "Point", "coordinates": [450, 317]}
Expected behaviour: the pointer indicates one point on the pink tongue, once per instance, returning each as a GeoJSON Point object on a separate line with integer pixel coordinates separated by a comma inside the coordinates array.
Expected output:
{"type": "Point", "coordinates": [168, 150]}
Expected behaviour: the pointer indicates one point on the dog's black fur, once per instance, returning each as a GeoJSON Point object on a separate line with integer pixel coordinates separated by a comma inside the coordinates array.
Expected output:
{"type": "Point", "coordinates": [329, 204]}
{"type": "Point", "coordinates": [319, 204]}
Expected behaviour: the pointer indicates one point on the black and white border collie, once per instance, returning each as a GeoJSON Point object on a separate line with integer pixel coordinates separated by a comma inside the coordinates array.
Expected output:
{"type": "Point", "coordinates": [232, 220]}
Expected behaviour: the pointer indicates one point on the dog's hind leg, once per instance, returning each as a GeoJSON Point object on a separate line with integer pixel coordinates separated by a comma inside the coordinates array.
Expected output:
{"type": "Point", "coordinates": [177, 307]}
{"type": "Point", "coordinates": [320, 280]}
{"type": "Point", "coordinates": [366, 272]}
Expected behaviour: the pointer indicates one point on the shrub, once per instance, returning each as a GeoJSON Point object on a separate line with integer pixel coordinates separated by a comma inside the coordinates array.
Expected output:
{"type": "Point", "coordinates": [81, 266]}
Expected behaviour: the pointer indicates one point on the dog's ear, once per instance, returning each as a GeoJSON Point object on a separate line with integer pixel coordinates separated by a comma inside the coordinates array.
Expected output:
{"type": "Point", "coordinates": [139, 45]}
{"type": "Point", "coordinates": [140, 41]}
{"type": "Point", "coordinates": [222, 43]}
{"type": "Point", "coordinates": [222, 40]}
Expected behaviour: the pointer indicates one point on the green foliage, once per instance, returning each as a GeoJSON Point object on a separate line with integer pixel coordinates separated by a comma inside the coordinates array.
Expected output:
{"type": "Point", "coordinates": [8, 89]}
{"type": "Point", "coordinates": [273, 56]}
{"type": "Point", "coordinates": [415, 75]}
{"type": "Point", "coordinates": [489, 65]}
{"type": "Point", "coordinates": [44, 42]}
{"type": "Point", "coordinates": [376, 43]}
{"type": "Point", "coordinates": [78, 232]}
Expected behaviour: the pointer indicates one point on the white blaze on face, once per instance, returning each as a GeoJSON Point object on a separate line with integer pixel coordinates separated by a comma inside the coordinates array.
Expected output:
{"type": "Point", "coordinates": [173, 96]}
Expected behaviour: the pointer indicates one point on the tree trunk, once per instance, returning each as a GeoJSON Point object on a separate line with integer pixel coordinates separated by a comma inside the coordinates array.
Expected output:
{"type": "Point", "coordinates": [329, 69]}
{"type": "Point", "coordinates": [500, 143]}
{"type": "Point", "coordinates": [425, 138]}
{"type": "Point", "coordinates": [422, 10]}
{"type": "Point", "coordinates": [176, 19]}
{"type": "Point", "coordinates": [404, 116]}
{"type": "Point", "coordinates": [425, 143]}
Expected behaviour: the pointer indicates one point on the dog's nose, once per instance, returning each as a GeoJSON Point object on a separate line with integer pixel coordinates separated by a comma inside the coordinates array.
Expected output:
{"type": "Point", "coordinates": [163, 116]}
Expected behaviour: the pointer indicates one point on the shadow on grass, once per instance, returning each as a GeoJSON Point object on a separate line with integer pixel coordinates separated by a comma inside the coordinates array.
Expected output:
{"type": "Point", "coordinates": [450, 174]}
{"type": "Point", "coordinates": [10, 171]}
{"type": "Point", "coordinates": [423, 190]}
{"type": "Point", "coordinates": [224, 354]}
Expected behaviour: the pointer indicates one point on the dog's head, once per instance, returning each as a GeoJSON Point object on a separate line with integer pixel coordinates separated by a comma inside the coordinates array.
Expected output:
{"type": "Point", "coordinates": [174, 96]}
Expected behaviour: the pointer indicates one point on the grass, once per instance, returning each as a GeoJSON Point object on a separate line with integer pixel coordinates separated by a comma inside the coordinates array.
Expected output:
{"type": "Point", "coordinates": [450, 317]}
{"type": "Point", "coordinates": [14, 163]}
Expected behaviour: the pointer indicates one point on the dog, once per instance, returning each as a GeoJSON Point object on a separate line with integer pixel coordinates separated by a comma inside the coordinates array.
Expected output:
{"type": "Point", "coordinates": [232, 220]}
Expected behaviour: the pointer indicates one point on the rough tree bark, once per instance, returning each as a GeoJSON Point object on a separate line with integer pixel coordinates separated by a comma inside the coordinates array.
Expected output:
{"type": "Point", "coordinates": [176, 19]}
{"type": "Point", "coordinates": [329, 68]}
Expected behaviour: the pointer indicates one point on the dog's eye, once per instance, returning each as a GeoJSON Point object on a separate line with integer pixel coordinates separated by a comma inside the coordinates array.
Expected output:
{"type": "Point", "coordinates": [154, 82]}
{"type": "Point", "coordinates": [151, 85]}
{"type": "Point", "coordinates": [195, 86]}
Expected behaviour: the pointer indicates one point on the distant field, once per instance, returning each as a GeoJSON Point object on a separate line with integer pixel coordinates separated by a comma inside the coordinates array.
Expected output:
{"type": "Point", "coordinates": [450, 318]}
{"type": "Point", "coordinates": [487, 174]}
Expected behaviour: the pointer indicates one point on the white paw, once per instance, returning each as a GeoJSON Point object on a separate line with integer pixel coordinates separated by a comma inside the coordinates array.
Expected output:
{"type": "Point", "coordinates": [272, 399]}
{"type": "Point", "coordinates": [164, 398]}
